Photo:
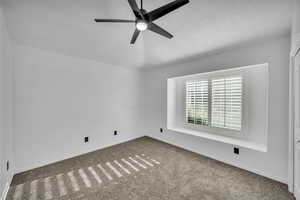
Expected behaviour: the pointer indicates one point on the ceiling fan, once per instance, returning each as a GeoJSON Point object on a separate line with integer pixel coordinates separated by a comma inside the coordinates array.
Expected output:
{"type": "Point", "coordinates": [144, 20]}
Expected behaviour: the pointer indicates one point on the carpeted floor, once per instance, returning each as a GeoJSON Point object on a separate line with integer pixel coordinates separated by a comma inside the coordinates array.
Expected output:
{"type": "Point", "coordinates": [143, 169]}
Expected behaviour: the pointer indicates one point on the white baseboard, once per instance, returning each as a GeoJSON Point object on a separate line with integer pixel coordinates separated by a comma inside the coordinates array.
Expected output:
{"type": "Point", "coordinates": [4, 194]}
{"type": "Point", "coordinates": [258, 172]}
{"type": "Point", "coordinates": [43, 163]}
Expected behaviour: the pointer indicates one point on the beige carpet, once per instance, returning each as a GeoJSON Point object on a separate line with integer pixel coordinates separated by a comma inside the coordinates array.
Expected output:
{"type": "Point", "coordinates": [143, 169]}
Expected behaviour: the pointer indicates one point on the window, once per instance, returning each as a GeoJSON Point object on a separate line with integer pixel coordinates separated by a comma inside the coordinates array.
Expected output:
{"type": "Point", "coordinates": [229, 106]}
{"type": "Point", "coordinates": [197, 102]}
{"type": "Point", "coordinates": [215, 102]}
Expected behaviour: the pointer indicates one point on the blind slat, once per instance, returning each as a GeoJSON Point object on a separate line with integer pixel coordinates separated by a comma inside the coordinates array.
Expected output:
{"type": "Point", "coordinates": [197, 102]}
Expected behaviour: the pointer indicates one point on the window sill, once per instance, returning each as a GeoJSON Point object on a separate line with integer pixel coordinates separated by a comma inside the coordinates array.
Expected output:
{"type": "Point", "coordinates": [224, 139]}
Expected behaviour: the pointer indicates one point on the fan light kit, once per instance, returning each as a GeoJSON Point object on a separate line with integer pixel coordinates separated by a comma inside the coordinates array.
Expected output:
{"type": "Point", "coordinates": [144, 20]}
{"type": "Point", "coordinates": [141, 26]}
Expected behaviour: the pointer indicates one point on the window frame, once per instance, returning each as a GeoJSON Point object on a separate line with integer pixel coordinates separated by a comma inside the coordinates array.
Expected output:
{"type": "Point", "coordinates": [212, 129]}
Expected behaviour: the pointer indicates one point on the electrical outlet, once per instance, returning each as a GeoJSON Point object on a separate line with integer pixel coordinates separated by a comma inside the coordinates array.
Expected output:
{"type": "Point", "coordinates": [86, 139]}
{"type": "Point", "coordinates": [236, 150]}
{"type": "Point", "coordinates": [115, 132]}
{"type": "Point", "coordinates": [7, 165]}
{"type": "Point", "coordinates": [161, 130]}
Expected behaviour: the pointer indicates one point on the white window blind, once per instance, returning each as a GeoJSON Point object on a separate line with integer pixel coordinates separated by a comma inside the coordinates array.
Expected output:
{"type": "Point", "coordinates": [216, 102]}
{"type": "Point", "coordinates": [227, 103]}
{"type": "Point", "coordinates": [197, 102]}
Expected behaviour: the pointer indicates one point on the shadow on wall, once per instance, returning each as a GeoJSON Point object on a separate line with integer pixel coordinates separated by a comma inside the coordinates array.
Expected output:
{"type": "Point", "coordinates": [233, 46]}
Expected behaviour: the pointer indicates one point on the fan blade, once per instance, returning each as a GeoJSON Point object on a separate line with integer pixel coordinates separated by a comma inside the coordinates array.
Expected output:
{"type": "Point", "coordinates": [135, 36]}
{"type": "Point", "coordinates": [153, 27]}
{"type": "Point", "coordinates": [115, 20]}
{"type": "Point", "coordinates": [159, 12]}
{"type": "Point", "coordinates": [137, 12]}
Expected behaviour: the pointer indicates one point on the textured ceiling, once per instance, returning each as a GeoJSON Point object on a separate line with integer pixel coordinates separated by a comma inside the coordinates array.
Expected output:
{"type": "Point", "coordinates": [67, 27]}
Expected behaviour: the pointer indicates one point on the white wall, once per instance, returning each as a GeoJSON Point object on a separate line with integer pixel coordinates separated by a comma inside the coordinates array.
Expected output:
{"type": "Point", "coordinates": [295, 43]}
{"type": "Point", "coordinates": [59, 99]}
{"type": "Point", "coordinates": [6, 153]}
{"type": "Point", "coordinates": [274, 51]}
